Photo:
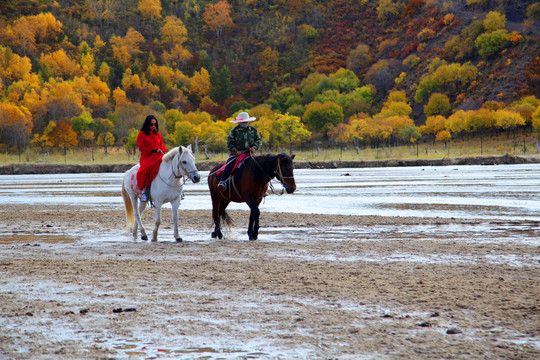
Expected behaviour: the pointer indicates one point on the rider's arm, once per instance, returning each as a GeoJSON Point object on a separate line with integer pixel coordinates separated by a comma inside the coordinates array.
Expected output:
{"type": "Point", "coordinates": [231, 142]}
{"type": "Point", "coordinates": [257, 141]}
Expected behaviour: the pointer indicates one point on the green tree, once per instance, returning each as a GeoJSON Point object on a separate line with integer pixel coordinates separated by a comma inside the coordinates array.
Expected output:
{"type": "Point", "coordinates": [492, 43]}
{"type": "Point", "coordinates": [289, 130]}
{"type": "Point", "coordinates": [185, 133]}
{"type": "Point", "coordinates": [345, 80]}
{"type": "Point", "coordinates": [438, 104]}
{"type": "Point", "coordinates": [319, 117]}
{"type": "Point", "coordinates": [221, 84]}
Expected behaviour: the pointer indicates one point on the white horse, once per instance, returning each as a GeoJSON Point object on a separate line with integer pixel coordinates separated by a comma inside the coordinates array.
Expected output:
{"type": "Point", "coordinates": [166, 187]}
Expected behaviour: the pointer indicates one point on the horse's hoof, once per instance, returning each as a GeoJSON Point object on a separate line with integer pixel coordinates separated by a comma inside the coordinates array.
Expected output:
{"type": "Point", "coordinates": [178, 239]}
{"type": "Point", "coordinates": [144, 237]}
{"type": "Point", "coordinates": [213, 235]}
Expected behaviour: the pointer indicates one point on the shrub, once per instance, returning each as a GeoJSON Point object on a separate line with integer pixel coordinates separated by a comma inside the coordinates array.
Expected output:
{"type": "Point", "coordinates": [425, 34]}
{"type": "Point", "coordinates": [492, 43]}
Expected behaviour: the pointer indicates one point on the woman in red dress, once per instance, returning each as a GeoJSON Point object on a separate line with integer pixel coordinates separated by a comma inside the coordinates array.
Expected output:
{"type": "Point", "coordinates": [152, 149]}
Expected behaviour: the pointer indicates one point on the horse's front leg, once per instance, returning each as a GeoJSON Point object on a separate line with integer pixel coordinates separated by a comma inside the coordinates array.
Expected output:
{"type": "Point", "coordinates": [137, 212]}
{"type": "Point", "coordinates": [157, 221]}
{"type": "Point", "coordinates": [216, 204]}
{"type": "Point", "coordinates": [175, 204]}
{"type": "Point", "coordinates": [253, 226]}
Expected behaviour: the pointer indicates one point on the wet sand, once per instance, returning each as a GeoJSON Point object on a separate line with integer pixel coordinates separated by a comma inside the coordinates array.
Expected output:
{"type": "Point", "coordinates": [233, 298]}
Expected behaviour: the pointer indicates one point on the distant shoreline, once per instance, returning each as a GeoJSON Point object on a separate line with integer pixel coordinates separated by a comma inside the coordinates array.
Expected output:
{"type": "Point", "coordinates": [40, 168]}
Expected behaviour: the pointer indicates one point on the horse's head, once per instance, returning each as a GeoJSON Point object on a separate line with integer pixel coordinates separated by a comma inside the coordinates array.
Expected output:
{"type": "Point", "coordinates": [285, 172]}
{"type": "Point", "coordinates": [185, 162]}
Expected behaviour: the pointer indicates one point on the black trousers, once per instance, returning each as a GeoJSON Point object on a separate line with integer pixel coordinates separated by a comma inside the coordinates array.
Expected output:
{"type": "Point", "coordinates": [228, 167]}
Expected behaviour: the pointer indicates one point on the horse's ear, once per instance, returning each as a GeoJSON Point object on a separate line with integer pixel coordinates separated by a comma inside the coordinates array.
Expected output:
{"type": "Point", "coordinates": [189, 148]}
{"type": "Point", "coordinates": [292, 156]}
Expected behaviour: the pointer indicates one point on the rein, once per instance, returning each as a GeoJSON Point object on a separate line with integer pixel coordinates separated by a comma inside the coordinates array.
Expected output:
{"type": "Point", "coordinates": [277, 171]}
{"type": "Point", "coordinates": [176, 176]}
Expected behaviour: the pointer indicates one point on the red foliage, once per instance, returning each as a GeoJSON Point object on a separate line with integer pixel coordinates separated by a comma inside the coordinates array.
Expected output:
{"type": "Point", "coordinates": [409, 48]}
{"type": "Point", "coordinates": [412, 7]}
{"type": "Point", "coordinates": [218, 111]}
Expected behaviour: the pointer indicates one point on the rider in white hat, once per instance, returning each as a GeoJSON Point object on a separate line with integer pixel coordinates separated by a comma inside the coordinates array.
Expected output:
{"type": "Point", "coordinates": [242, 138]}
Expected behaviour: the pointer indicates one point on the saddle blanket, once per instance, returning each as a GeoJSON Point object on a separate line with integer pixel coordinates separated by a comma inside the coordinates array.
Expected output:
{"type": "Point", "coordinates": [236, 164]}
{"type": "Point", "coordinates": [134, 186]}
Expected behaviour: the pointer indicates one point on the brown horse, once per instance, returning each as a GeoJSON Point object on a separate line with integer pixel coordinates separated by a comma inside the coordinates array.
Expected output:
{"type": "Point", "coordinates": [249, 184]}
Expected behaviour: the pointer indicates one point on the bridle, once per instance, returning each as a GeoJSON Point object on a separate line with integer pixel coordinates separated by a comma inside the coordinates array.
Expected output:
{"type": "Point", "coordinates": [275, 174]}
{"type": "Point", "coordinates": [179, 175]}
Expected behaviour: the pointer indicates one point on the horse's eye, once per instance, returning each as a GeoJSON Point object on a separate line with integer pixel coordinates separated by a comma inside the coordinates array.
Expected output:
{"type": "Point", "coordinates": [184, 162]}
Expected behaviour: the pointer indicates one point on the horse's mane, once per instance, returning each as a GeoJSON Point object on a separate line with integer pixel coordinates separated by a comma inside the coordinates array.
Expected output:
{"type": "Point", "coordinates": [265, 162]}
{"type": "Point", "coordinates": [170, 154]}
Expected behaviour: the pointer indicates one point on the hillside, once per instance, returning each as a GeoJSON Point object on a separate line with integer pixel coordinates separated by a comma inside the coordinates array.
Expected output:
{"type": "Point", "coordinates": [101, 65]}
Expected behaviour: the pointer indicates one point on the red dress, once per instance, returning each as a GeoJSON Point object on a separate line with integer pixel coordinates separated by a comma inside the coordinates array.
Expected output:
{"type": "Point", "coordinates": [149, 161]}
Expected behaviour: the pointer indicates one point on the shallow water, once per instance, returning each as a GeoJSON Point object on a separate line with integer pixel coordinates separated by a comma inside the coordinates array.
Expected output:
{"type": "Point", "coordinates": [500, 192]}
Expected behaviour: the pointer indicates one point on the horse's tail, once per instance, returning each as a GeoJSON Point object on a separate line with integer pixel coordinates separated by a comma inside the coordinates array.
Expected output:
{"type": "Point", "coordinates": [226, 218]}
{"type": "Point", "coordinates": [128, 207]}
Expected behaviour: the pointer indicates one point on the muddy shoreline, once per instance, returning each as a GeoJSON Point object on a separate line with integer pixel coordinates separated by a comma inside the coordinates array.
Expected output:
{"type": "Point", "coordinates": [35, 168]}
{"type": "Point", "coordinates": [236, 299]}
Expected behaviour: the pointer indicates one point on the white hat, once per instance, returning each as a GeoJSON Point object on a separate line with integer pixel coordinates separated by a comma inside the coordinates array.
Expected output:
{"type": "Point", "coordinates": [242, 118]}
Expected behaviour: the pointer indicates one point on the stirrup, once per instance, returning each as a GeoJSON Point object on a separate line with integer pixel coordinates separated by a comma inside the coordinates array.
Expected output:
{"type": "Point", "coordinates": [144, 198]}
{"type": "Point", "coordinates": [222, 185]}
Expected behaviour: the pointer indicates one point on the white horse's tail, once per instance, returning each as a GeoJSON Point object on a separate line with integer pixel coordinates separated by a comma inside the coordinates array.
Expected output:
{"type": "Point", "coordinates": [128, 207]}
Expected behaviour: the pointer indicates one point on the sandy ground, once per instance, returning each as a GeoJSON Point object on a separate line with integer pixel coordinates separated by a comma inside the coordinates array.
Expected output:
{"type": "Point", "coordinates": [232, 299]}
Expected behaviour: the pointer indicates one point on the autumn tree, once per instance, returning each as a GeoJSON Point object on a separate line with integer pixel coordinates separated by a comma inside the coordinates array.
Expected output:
{"type": "Point", "coordinates": [102, 11]}
{"type": "Point", "coordinates": [200, 83]}
{"type": "Point", "coordinates": [104, 133]}
{"type": "Point", "coordinates": [185, 132]}
{"type": "Point", "coordinates": [35, 33]}
{"type": "Point", "coordinates": [124, 48]}
{"type": "Point", "coordinates": [359, 58]}
{"type": "Point", "coordinates": [15, 125]}
{"type": "Point", "coordinates": [289, 130]}
{"type": "Point", "coordinates": [61, 65]}
{"type": "Point", "coordinates": [150, 9]}
{"type": "Point", "coordinates": [438, 104]}
{"type": "Point", "coordinates": [63, 136]}
{"type": "Point", "coordinates": [13, 67]}
{"type": "Point", "coordinates": [433, 125]}
{"type": "Point", "coordinates": [443, 136]}
{"type": "Point", "coordinates": [214, 135]}
{"type": "Point", "coordinates": [269, 67]}
{"type": "Point", "coordinates": [218, 16]}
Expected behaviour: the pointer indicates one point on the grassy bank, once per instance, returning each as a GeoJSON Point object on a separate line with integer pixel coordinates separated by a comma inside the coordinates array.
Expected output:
{"type": "Point", "coordinates": [499, 146]}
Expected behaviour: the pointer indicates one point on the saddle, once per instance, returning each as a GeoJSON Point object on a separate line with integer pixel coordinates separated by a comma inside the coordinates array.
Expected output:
{"type": "Point", "coordinates": [238, 163]}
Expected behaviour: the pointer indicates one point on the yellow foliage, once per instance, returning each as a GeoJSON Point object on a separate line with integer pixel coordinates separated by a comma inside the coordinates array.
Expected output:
{"type": "Point", "coordinates": [13, 116]}
{"type": "Point", "coordinates": [104, 72]}
{"type": "Point", "coordinates": [150, 9]}
{"type": "Point", "coordinates": [218, 16]}
{"type": "Point", "coordinates": [61, 65]}
{"type": "Point", "coordinates": [173, 32]}
{"type": "Point", "coordinates": [433, 125]}
{"type": "Point", "coordinates": [443, 136]}
{"type": "Point", "coordinates": [200, 83]}
{"type": "Point", "coordinates": [120, 98]}
{"type": "Point", "coordinates": [13, 67]}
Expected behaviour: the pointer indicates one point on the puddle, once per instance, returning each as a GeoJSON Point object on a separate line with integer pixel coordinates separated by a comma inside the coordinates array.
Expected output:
{"type": "Point", "coordinates": [18, 238]}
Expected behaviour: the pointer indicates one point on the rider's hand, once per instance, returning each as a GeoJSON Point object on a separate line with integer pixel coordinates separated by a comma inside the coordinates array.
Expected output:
{"type": "Point", "coordinates": [251, 150]}
{"type": "Point", "coordinates": [238, 153]}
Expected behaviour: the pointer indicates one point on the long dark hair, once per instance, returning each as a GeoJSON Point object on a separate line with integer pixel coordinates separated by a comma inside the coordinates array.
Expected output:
{"type": "Point", "coordinates": [146, 125]}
